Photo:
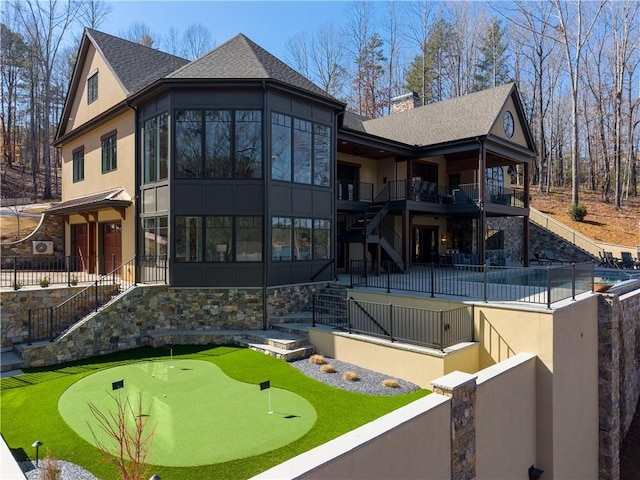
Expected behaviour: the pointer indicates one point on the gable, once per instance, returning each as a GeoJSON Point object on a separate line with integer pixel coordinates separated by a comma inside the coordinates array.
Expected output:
{"type": "Point", "coordinates": [110, 90]}
{"type": "Point", "coordinates": [519, 135]}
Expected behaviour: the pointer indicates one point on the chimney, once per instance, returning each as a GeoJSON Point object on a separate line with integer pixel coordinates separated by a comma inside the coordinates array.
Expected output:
{"type": "Point", "coordinates": [407, 101]}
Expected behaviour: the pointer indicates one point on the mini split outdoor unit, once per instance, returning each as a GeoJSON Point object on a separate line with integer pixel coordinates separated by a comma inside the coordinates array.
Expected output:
{"type": "Point", "coordinates": [42, 248]}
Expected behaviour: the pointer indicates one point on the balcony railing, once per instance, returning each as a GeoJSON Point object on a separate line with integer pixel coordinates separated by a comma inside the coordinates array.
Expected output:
{"type": "Point", "coordinates": [484, 282]}
{"type": "Point", "coordinates": [354, 191]}
{"type": "Point", "coordinates": [430, 328]}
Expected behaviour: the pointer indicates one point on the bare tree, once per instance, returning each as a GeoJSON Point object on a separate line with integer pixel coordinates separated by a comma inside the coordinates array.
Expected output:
{"type": "Point", "coordinates": [140, 33]}
{"type": "Point", "coordinates": [573, 40]}
{"type": "Point", "coordinates": [128, 433]}
{"type": "Point", "coordinates": [46, 23]}
{"type": "Point", "coordinates": [12, 60]}
{"type": "Point", "coordinates": [297, 53]}
{"type": "Point", "coordinates": [196, 41]}
{"type": "Point", "coordinates": [359, 31]}
{"type": "Point", "coordinates": [92, 13]}
{"type": "Point", "coordinates": [327, 60]}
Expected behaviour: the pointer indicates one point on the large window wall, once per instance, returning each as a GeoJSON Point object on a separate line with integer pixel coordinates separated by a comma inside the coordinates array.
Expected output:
{"type": "Point", "coordinates": [156, 148]}
{"type": "Point", "coordinates": [218, 144]}
{"type": "Point", "coordinates": [218, 238]}
{"type": "Point", "coordinates": [155, 236]}
{"type": "Point", "coordinates": [300, 150]}
{"type": "Point", "coordinates": [300, 239]}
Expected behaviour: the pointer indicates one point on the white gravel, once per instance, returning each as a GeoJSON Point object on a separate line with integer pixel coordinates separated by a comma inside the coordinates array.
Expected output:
{"type": "Point", "coordinates": [369, 382]}
{"type": "Point", "coordinates": [69, 471]}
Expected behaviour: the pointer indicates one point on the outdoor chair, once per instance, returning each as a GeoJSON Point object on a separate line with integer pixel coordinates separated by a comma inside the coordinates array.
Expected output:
{"type": "Point", "coordinates": [610, 260]}
{"type": "Point", "coordinates": [549, 255]}
{"type": "Point", "coordinates": [539, 259]}
{"type": "Point", "coordinates": [628, 262]}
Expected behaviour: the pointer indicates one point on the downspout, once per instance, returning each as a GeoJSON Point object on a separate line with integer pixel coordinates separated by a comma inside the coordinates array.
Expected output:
{"type": "Point", "coordinates": [136, 196]}
{"type": "Point", "coordinates": [267, 224]}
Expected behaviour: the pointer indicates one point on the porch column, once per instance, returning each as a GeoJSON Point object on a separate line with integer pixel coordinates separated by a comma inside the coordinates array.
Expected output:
{"type": "Point", "coordinates": [525, 223]}
{"type": "Point", "coordinates": [482, 220]}
{"type": "Point", "coordinates": [406, 237]}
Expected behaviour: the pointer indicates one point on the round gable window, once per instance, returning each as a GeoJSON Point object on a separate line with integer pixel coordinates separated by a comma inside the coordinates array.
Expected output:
{"type": "Point", "coordinates": [507, 123]}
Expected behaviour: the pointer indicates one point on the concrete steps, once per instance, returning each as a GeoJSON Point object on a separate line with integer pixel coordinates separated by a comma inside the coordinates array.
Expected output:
{"type": "Point", "coordinates": [10, 361]}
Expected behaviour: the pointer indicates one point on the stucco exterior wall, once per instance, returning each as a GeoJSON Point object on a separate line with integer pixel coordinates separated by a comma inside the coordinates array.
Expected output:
{"type": "Point", "coordinates": [506, 419]}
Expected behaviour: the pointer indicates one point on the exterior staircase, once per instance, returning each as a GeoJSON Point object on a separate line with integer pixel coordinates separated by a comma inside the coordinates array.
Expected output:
{"type": "Point", "coordinates": [10, 360]}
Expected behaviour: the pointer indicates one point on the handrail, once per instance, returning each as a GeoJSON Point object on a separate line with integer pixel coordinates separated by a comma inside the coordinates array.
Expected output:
{"type": "Point", "coordinates": [368, 315]}
{"type": "Point", "coordinates": [326, 265]}
{"type": "Point", "coordinates": [50, 322]}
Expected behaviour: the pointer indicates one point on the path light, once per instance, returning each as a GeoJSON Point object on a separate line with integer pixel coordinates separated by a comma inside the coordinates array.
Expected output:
{"type": "Point", "coordinates": [155, 477]}
{"type": "Point", "coordinates": [37, 444]}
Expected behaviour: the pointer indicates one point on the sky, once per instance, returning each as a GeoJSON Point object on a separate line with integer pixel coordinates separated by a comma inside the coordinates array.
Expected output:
{"type": "Point", "coordinates": [268, 23]}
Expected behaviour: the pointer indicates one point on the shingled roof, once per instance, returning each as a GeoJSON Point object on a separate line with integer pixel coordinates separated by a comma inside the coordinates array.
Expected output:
{"type": "Point", "coordinates": [135, 65]}
{"type": "Point", "coordinates": [242, 59]}
{"type": "Point", "coordinates": [459, 118]}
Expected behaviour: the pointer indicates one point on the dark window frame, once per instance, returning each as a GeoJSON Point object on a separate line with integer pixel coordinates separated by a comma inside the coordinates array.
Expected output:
{"type": "Point", "coordinates": [294, 250]}
{"type": "Point", "coordinates": [92, 88]}
{"type": "Point", "coordinates": [160, 162]}
{"type": "Point", "coordinates": [78, 164]}
{"type": "Point", "coordinates": [109, 144]}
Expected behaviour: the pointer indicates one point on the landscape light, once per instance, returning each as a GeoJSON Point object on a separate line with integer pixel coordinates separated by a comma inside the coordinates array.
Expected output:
{"type": "Point", "coordinates": [37, 444]}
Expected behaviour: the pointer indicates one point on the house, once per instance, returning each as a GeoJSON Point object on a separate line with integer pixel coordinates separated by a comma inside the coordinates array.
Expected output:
{"type": "Point", "coordinates": [243, 173]}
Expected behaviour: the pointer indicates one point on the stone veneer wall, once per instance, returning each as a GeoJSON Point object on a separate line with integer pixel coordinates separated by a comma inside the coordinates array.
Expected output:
{"type": "Point", "coordinates": [51, 228]}
{"type": "Point", "coordinates": [146, 311]}
{"type": "Point", "coordinates": [619, 374]}
{"type": "Point", "coordinates": [513, 234]}
{"type": "Point", "coordinates": [541, 239]}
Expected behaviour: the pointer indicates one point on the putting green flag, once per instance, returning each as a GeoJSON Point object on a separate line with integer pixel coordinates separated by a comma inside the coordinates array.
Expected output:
{"type": "Point", "coordinates": [265, 385]}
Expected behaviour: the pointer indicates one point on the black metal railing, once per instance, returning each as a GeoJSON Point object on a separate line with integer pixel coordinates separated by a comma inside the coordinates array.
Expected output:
{"type": "Point", "coordinates": [70, 270]}
{"type": "Point", "coordinates": [50, 322]}
{"type": "Point", "coordinates": [430, 328]}
{"type": "Point", "coordinates": [544, 285]}
{"type": "Point", "coordinates": [351, 191]}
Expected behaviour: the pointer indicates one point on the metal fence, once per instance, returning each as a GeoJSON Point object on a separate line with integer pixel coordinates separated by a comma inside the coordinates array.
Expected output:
{"type": "Point", "coordinates": [430, 328]}
{"type": "Point", "coordinates": [17, 272]}
{"type": "Point", "coordinates": [544, 285]}
{"type": "Point", "coordinates": [50, 322]}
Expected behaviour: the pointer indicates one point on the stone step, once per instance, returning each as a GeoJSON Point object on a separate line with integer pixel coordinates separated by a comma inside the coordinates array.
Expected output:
{"type": "Point", "coordinates": [10, 361]}
{"type": "Point", "coordinates": [301, 329]}
{"type": "Point", "coordinates": [285, 340]}
{"type": "Point", "coordinates": [281, 353]}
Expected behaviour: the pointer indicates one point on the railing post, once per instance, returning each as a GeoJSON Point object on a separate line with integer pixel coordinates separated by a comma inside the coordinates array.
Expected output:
{"type": "Point", "coordinates": [313, 312]}
{"type": "Point", "coordinates": [433, 281]}
{"type": "Point", "coordinates": [366, 278]}
{"type": "Point", "coordinates": [67, 260]}
{"type": "Point", "coordinates": [441, 330]}
{"type": "Point", "coordinates": [95, 296]}
{"type": "Point", "coordinates": [30, 332]}
{"type": "Point", "coordinates": [484, 293]}
{"type": "Point", "coordinates": [113, 267]}
{"type": "Point", "coordinates": [549, 287]}
{"type": "Point", "coordinates": [165, 269]}
{"type": "Point", "coordinates": [388, 277]}
{"type": "Point", "coordinates": [391, 321]}
{"type": "Point", "coordinates": [573, 281]}
{"type": "Point", "coordinates": [15, 273]}
{"type": "Point", "coordinates": [349, 314]}
{"type": "Point", "coordinates": [51, 336]}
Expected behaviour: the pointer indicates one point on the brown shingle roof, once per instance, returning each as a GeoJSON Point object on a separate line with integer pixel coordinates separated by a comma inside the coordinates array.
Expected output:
{"type": "Point", "coordinates": [459, 118]}
{"type": "Point", "coordinates": [114, 198]}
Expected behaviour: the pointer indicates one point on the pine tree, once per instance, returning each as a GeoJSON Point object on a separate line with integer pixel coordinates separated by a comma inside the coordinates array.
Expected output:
{"type": "Point", "coordinates": [493, 69]}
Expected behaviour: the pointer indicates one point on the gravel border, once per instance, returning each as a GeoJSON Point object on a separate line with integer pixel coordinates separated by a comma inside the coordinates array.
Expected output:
{"type": "Point", "coordinates": [68, 471]}
{"type": "Point", "coordinates": [369, 382]}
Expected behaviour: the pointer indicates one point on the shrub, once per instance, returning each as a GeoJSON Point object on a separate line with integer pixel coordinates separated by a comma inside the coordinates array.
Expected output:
{"type": "Point", "coordinates": [391, 383]}
{"type": "Point", "coordinates": [17, 285]}
{"type": "Point", "coordinates": [326, 368]}
{"type": "Point", "coordinates": [50, 469]}
{"type": "Point", "coordinates": [577, 212]}
{"type": "Point", "coordinates": [44, 282]}
{"type": "Point", "coordinates": [351, 376]}
{"type": "Point", "coordinates": [317, 359]}
{"type": "Point", "coordinates": [74, 280]}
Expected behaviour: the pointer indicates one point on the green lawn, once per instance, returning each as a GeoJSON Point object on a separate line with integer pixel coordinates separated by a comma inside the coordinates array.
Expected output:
{"type": "Point", "coordinates": [29, 409]}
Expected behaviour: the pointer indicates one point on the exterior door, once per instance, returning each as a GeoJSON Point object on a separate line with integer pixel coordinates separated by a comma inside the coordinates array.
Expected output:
{"type": "Point", "coordinates": [80, 260]}
{"type": "Point", "coordinates": [111, 246]}
{"type": "Point", "coordinates": [425, 244]}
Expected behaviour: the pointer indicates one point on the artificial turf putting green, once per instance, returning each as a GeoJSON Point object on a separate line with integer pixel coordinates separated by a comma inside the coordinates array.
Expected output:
{"type": "Point", "coordinates": [201, 415]}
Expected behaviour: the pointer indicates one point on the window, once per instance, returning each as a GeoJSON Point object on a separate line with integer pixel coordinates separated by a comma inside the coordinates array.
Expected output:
{"type": "Point", "coordinates": [280, 147]}
{"type": "Point", "coordinates": [188, 239]}
{"type": "Point", "coordinates": [300, 150]}
{"type": "Point", "coordinates": [495, 181]}
{"type": "Point", "coordinates": [248, 125]}
{"type": "Point", "coordinates": [300, 239]}
{"type": "Point", "coordinates": [109, 152]}
{"type": "Point", "coordinates": [218, 144]}
{"type": "Point", "coordinates": [218, 239]}
{"type": "Point", "coordinates": [155, 236]}
{"type": "Point", "coordinates": [280, 239]}
{"type": "Point", "coordinates": [156, 148]}
{"type": "Point", "coordinates": [248, 239]}
{"type": "Point", "coordinates": [92, 88]}
{"type": "Point", "coordinates": [78, 164]}
{"type": "Point", "coordinates": [188, 144]}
